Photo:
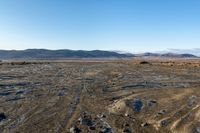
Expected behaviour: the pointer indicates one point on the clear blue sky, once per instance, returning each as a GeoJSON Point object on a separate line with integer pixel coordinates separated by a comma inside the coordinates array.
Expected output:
{"type": "Point", "coordinates": [133, 25]}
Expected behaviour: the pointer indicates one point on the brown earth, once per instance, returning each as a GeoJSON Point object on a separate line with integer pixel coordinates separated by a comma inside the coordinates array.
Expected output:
{"type": "Point", "coordinates": [101, 96]}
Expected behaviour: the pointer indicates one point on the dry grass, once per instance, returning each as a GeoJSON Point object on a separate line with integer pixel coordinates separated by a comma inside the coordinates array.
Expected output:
{"type": "Point", "coordinates": [51, 96]}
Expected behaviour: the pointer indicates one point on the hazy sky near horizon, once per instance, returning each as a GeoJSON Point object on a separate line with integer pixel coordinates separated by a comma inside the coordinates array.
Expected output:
{"type": "Point", "coordinates": [133, 25]}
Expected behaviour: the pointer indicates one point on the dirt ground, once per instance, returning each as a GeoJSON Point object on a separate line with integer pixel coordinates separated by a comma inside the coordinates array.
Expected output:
{"type": "Point", "coordinates": [102, 96]}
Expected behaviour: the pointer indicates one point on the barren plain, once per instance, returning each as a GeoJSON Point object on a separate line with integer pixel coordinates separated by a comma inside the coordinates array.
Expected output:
{"type": "Point", "coordinates": [100, 96]}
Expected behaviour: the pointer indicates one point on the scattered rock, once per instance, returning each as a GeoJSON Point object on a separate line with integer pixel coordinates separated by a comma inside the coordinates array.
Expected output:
{"type": "Point", "coordinates": [162, 112]}
{"type": "Point", "coordinates": [92, 128]}
{"type": "Point", "coordinates": [144, 124]}
{"type": "Point", "coordinates": [19, 92]}
{"type": "Point", "coordinates": [115, 98]}
{"type": "Point", "coordinates": [151, 103]}
{"type": "Point", "coordinates": [126, 125]}
{"type": "Point", "coordinates": [164, 122]}
{"type": "Point", "coordinates": [106, 130]}
{"type": "Point", "coordinates": [126, 114]}
{"type": "Point", "coordinates": [74, 129]}
{"type": "Point", "coordinates": [61, 94]}
{"type": "Point", "coordinates": [126, 130]}
{"type": "Point", "coordinates": [192, 100]}
{"type": "Point", "coordinates": [101, 116]}
{"type": "Point", "coordinates": [87, 121]}
{"type": "Point", "coordinates": [2, 117]}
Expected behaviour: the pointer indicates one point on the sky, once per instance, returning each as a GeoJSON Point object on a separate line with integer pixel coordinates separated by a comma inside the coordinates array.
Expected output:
{"type": "Point", "coordinates": [128, 25]}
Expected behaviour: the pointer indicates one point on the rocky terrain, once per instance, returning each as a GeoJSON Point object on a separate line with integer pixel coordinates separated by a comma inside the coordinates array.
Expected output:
{"type": "Point", "coordinates": [101, 96]}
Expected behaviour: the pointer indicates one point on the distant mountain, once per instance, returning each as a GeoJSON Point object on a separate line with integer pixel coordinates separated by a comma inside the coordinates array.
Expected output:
{"type": "Point", "coordinates": [148, 54]}
{"type": "Point", "coordinates": [178, 55]}
{"type": "Point", "coordinates": [194, 51]}
{"type": "Point", "coordinates": [55, 54]}
{"type": "Point", "coordinates": [65, 53]}
{"type": "Point", "coordinates": [167, 55]}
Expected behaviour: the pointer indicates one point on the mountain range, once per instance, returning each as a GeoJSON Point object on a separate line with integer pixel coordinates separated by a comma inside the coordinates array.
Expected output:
{"type": "Point", "coordinates": [65, 53]}
{"type": "Point", "coordinates": [57, 54]}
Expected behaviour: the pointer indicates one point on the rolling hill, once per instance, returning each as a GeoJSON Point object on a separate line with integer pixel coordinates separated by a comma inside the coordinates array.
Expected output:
{"type": "Point", "coordinates": [65, 53]}
{"type": "Point", "coordinates": [55, 54]}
